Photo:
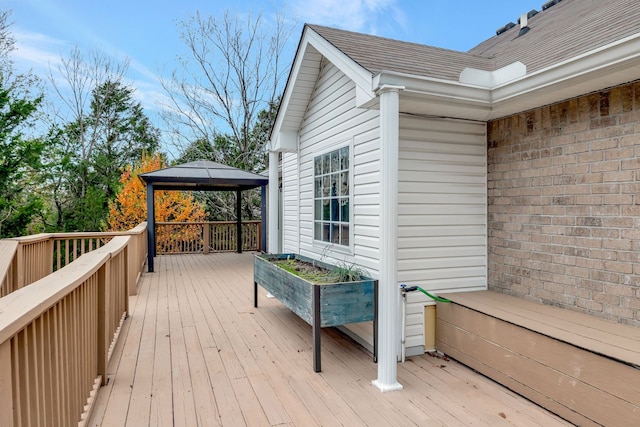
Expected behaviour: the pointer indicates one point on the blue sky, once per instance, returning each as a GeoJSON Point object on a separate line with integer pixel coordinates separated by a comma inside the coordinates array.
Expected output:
{"type": "Point", "coordinates": [146, 32]}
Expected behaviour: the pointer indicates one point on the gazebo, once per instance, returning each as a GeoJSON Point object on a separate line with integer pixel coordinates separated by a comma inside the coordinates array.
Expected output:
{"type": "Point", "coordinates": [202, 175]}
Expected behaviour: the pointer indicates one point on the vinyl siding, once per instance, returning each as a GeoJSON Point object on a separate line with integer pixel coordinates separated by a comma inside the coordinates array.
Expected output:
{"type": "Point", "coordinates": [332, 121]}
{"type": "Point", "coordinates": [290, 242]}
{"type": "Point", "coordinates": [442, 238]}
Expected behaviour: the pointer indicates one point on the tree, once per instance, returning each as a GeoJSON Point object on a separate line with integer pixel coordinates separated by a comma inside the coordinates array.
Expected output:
{"type": "Point", "coordinates": [19, 154]}
{"type": "Point", "coordinates": [233, 72]}
{"type": "Point", "coordinates": [220, 206]}
{"type": "Point", "coordinates": [99, 130]}
{"type": "Point", "coordinates": [130, 208]}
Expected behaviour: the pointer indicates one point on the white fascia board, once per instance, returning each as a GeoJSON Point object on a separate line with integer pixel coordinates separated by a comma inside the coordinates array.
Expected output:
{"type": "Point", "coordinates": [615, 54]}
{"type": "Point", "coordinates": [435, 88]}
{"type": "Point", "coordinates": [360, 76]}
{"type": "Point", "coordinates": [289, 87]}
{"type": "Point", "coordinates": [312, 40]}
{"type": "Point", "coordinates": [498, 94]}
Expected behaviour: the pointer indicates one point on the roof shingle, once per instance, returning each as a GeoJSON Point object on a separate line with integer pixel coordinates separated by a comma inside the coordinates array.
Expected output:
{"type": "Point", "coordinates": [564, 31]}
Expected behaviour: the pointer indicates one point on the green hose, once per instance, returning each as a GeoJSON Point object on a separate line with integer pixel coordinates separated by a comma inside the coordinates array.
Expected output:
{"type": "Point", "coordinates": [433, 297]}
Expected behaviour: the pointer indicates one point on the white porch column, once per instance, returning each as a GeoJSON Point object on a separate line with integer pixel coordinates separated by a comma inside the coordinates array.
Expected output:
{"type": "Point", "coordinates": [274, 199]}
{"type": "Point", "coordinates": [389, 311]}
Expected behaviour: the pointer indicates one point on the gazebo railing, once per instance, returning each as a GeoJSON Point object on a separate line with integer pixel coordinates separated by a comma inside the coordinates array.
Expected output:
{"type": "Point", "coordinates": [206, 237]}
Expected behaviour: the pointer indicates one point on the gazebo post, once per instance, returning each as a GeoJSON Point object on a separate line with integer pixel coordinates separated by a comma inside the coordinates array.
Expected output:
{"type": "Point", "coordinates": [151, 228]}
{"type": "Point", "coordinates": [239, 219]}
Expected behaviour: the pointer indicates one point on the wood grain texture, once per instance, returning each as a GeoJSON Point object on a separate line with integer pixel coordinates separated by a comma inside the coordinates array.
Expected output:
{"type": "Point", "coordinates": [250, 366]}
{"type": "Point", "coordinates": [582, 386]}
{"type": "Point", "coordinates": [340, 303]}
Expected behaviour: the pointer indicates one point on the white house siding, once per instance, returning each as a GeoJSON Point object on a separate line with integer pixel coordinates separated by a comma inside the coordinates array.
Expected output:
{"type": "Point", "coordinates": [442, 213]}
{"type": "Point", "coordinates": [332, 121]}
{"type": "Point", "coordinates": [290, 241]}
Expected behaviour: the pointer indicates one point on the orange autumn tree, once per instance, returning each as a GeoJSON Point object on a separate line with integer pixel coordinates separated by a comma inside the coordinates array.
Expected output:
{"type": "Point", "coordinates": [130, 208]}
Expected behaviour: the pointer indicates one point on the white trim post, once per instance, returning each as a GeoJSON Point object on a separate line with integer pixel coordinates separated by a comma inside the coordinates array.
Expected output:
{"type": "Point", "coordinates": [274, 182]}
{"type": "Point", "coordinates": [388, 292]}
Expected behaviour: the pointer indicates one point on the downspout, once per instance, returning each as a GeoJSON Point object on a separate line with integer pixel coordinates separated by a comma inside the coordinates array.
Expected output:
{"type": "Point", "coordinates": [389, 311]}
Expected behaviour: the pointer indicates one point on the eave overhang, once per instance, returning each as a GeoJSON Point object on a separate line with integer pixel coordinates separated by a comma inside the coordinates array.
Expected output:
{"type": "Point", "coordinates": [478, 94]}
{"type": "Point", "coordinates": [608, 66]}
{"type": "Point", "coordinates": [301, 82]}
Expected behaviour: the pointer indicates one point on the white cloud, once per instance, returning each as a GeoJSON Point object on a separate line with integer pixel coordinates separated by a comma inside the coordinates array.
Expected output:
{"type": "Point", "coordinates": [371, 16]}
{"type": "Point", "coordinates": [36, 51]}
{"type": "Point", "coordinates": [42, 55]}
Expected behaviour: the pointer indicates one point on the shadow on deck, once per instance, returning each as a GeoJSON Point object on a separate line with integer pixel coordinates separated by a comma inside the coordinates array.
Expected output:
{"type": "Point", "coordinates": [194, 352]}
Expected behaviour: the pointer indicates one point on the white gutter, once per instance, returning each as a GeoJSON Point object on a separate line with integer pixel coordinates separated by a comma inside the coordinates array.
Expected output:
{"type": "Point", "coordinates": [617, 53]}
{"type": "Point", "coordinates": [486, 95]}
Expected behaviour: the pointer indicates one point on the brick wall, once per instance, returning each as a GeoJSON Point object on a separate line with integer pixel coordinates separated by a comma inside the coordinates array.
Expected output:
{"type": "Point", "coordinates": [564, 204]}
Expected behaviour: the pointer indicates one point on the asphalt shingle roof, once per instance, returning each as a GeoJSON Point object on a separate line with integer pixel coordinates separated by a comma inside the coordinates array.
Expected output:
{"type": "Point", "coordinates": [377, 54]}
{"type": "Point", "coordinates": [563, 31]}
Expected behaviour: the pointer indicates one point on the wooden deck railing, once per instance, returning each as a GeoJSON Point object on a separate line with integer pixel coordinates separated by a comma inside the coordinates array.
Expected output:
{"type": "Point", "coordinates": [56, 335]}
{"type": "Point", "coordinates": [24, 260]}
{"type": "Point", "coordinates": [206, 237]}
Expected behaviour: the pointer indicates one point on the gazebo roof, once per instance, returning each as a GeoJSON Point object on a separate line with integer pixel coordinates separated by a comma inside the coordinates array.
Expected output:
{"type": "Point", "coordinates": [203, 175]}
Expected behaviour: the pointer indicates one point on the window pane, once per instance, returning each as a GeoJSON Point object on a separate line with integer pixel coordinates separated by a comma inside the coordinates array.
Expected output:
{"type": "Point", "coordinates": [325, 164]}
{"type": "Point", "coordinates": [335, 233]}
{"type": "Point", "coordinates": [318, 210]}
{"type": "Point", "coordinates": [326, 236]}
{"type": "Point", "coordinates": [344, 184]}
{"type": "Point", "coordinates": [344, 158]}
{"type": "Point", "coordinates": [325, 210]}
{"type": "Point", "coordinates": [344, 210]}
{"type": "Point", "coordinates": [334, 185]}
{"type": "Point", "coordinates": [344, 235]}
{"type": "Point", "coordinates": [335, 161]}
{"type": "Point", "coordinates": [317, 234]}
{"type": "Point", "coordinates": [335, 210]}
{"type": "Point", "coordinates": [318, 188]}
{"type": "Point", "coordinates": [317, 166]}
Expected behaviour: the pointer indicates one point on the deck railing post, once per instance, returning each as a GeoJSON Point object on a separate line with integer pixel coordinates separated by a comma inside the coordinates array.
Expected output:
{"type": "Point", "coordinates": [129, 267]}
{"type": "Point", "coordinates": [261, 239]}
{"type": "Point", "coordinates": [207, 236]}
{"type": "Point", "coordinates": [103, 318]}
{"type": "Point", "coordinates": [132, 266]}
{"type": "Point", "coordinates": [6, 383]}
{"type": "Point", "coordinates": [20, 268]}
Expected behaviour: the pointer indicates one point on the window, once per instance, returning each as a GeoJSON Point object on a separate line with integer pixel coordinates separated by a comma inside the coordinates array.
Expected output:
{"type": "Point", "coordinates": [331, 197]}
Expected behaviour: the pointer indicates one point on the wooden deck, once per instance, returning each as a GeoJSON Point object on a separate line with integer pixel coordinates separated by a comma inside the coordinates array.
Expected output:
{"type": "Point", "coordinates": [194, 352]}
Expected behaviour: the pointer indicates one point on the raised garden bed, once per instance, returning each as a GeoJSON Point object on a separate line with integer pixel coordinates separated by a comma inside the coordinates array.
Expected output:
{"type": "Point", "coordinates": [319, 304]}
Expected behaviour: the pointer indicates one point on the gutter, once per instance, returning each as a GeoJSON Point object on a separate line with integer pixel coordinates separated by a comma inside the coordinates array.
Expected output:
{"type": "Point", "coordinates": [480, 94]}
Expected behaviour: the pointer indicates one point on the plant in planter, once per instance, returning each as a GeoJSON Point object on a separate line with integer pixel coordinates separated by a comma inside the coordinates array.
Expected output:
{"type": "Point", "coordinates": [315, 273]}
{"type": "Point", "coordinates": [323, 295]}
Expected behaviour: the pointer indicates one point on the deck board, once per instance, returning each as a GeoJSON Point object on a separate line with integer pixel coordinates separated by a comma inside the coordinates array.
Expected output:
{"type": "Point", "coordinates": [195, 352]}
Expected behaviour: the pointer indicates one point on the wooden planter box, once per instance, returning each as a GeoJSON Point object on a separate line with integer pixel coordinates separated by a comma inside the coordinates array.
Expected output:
{"type": "Point", "coordinates": [320, 305]}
